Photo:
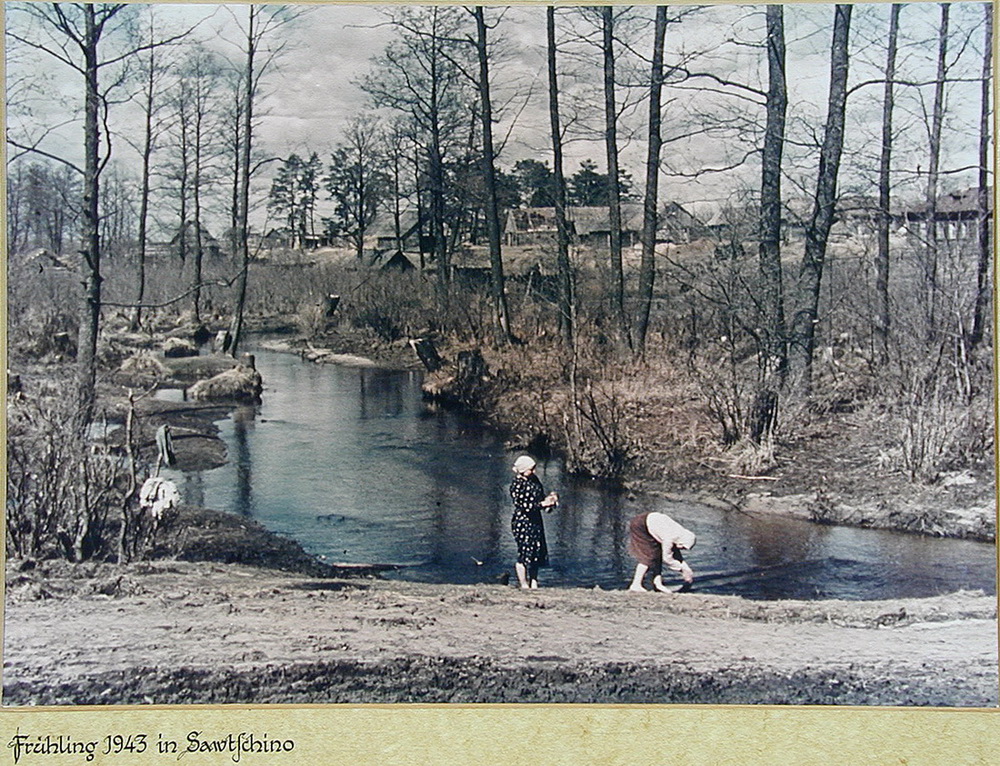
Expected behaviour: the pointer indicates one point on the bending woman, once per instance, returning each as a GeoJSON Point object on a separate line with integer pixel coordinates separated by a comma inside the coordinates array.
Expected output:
{"type": "Point", "coordinates": [656, 540]}
{"type": "Point", "coordinates": [526, 523]}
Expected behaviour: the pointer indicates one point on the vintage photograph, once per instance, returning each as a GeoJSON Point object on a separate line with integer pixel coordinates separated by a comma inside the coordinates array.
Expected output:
{"type": "Point", "coordinates": [479, 354]}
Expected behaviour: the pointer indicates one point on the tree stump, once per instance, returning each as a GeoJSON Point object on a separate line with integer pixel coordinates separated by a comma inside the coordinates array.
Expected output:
{"type": "Point", "coordinates": [425, 350]}
{"type": "Point", "coordinates": [330, 304]}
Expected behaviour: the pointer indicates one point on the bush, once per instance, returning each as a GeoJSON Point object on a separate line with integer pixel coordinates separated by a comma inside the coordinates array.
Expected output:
{"type": "Point", "coordinates": [937, 434]}
{"type": "Point", "coordinates": [606, 444]}
{"type": "Point", "coordinates": [63, 488]}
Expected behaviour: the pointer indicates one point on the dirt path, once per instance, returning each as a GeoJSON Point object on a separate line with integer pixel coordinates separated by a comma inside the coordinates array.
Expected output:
{"type": "Point", "coordinates": [200, 632]}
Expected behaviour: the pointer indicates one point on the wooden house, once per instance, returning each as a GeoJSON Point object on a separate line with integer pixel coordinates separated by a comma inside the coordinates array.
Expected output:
{"type": "Point", "coordinates": [589, 226]}
{"type": "Point", "coordinates": [956, 215]}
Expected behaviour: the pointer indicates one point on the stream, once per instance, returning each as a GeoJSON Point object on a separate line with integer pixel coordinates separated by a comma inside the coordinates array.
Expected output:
{"type": "Point", "coordinates": [356, 467]}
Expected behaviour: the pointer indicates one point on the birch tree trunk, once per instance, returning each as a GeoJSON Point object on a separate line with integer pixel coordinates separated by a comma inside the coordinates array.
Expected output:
{"type": "Point", "coordinates": [90, 319]}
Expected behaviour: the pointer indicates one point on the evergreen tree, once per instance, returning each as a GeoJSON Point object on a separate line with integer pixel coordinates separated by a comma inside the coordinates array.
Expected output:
{"type": "Point", "coordinates": [535, 180]}
{"type": "Point", "coordinates": [588, 187]}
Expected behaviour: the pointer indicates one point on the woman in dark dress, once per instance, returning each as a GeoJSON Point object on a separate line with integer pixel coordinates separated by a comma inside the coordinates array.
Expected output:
{"type": "Point", "coordinates": [526, 523]}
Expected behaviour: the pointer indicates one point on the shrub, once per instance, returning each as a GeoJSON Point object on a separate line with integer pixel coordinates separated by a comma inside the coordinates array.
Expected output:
{"type": "Point", "coordinates": [63, 488]}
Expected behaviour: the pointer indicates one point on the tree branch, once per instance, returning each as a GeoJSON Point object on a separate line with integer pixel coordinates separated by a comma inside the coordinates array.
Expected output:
{"type": "Point", "coordinates": [40, 152]}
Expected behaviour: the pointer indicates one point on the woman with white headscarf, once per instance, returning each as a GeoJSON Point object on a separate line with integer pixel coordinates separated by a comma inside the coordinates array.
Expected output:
{"type": "Point", "coordinates": [656, 540]}
{"type": "Point", "coordinates": [529, 499]}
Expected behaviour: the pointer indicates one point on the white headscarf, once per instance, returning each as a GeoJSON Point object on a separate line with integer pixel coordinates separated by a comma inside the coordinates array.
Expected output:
{"type": "Point", "coordinates": [524, 464]}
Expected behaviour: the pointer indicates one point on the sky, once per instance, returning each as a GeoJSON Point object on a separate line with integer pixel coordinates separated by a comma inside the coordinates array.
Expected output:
{"type": "Point", "coordinates": [311, 91]}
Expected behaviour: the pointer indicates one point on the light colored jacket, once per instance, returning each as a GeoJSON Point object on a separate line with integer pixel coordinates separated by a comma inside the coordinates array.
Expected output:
{"type": "Point", "coordinates": [668, 533]}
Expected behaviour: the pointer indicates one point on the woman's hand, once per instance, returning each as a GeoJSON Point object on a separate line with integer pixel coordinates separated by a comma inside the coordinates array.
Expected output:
{"type": "Point", "coordinates": [551, 499]}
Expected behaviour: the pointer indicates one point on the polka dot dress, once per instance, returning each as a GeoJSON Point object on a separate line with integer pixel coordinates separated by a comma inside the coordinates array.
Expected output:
{"type": "Point", "coordinates": [526, 523]}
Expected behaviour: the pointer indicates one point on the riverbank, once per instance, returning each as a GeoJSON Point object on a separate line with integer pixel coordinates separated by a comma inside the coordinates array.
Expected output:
{"type": "Point", "coordinates": [231, 613]}
{"type": "Point", "coordinates": [834, 474]}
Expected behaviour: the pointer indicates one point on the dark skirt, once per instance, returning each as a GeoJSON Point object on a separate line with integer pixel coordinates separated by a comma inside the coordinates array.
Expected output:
{"type": "Point", "coordinates": [529, 534]}
{"type": "Point", "coordinates": [644, 548]}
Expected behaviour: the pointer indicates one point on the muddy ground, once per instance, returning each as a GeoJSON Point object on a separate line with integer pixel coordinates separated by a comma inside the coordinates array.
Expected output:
{"type": "Point", "coordinates": [201, 632]}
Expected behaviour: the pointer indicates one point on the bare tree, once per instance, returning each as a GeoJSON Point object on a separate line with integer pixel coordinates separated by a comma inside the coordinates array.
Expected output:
{"type": "Point", "coordinates": [203, 72]}
{"type": "Point", "coordinates": [152, 72]}
{"type": "Point", "coordinates": [567, 309]}
{"type": "Point", "coordinates": [261, 24]}
{"type": "Point", "coordinates": [118, 215]}
{"type": "Point", "coordinates": [83, 26]}
{"type": "Point", "coordinates": [416, 74]}
{"type": "Point", "coordinates": [614, 185]}
{"type": "Point", "coordinates": [489, 178]}
{"type": "Point", "coordinates": [772, 299]}
{"type": "Point", "coordinates": [933, 172]}
{"type": "Point", "coordinates": [178, 167]}
{"type": "Point", "coordinates": [985, 218]}
{"type": "Point", "coordinates": [818, 227]}
{"type": "Point", "coordinates": [883, 317]}
{"type": "Point", "coordinates": [42, 205]}
{"type": "Point", "coordinates": [73, 33]}
{"type": "Point", "coordinates": [654, 142]}
{"type": "Point", "coordinates": [233, 140]}
{"type": "Point", "coordinates": [356, 182]}
{"type": "Point", "coordinates": [394, 142]}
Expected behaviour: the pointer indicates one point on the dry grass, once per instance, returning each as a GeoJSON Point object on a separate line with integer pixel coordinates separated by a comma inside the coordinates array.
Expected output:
{"type": "Point", "coordinates": [240, 384]}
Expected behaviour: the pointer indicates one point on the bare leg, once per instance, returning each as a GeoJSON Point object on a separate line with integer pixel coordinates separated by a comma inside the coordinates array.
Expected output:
{"type": "Point", "coordinates": [640, 572]}
{"type": "Point", "coordinates": [658, 584]}
{"type": "Point", "coordinates": [522, 574]}
{"type": "Point", "coordinates": [534, 584]}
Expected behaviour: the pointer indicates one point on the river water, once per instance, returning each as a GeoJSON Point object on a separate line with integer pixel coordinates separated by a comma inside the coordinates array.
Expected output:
{"type": "Point", "coordinates": [352, 464]}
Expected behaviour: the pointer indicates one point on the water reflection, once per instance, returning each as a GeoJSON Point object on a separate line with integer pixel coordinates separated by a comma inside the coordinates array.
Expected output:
{"type": "Point", "coordinates": [353, 465]}
{"type": "Point", "coordinates": [243, 423]}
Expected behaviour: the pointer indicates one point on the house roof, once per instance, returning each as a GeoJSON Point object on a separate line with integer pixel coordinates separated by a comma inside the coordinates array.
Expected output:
{"type": "Point", "coordinates": [384, 224]}
{"type": "Point", "coordinates": [595, 219]}
{"type": "Point", "coordinates": [964, 201]}
{"type": "Point", "coordinates": [206, 236]}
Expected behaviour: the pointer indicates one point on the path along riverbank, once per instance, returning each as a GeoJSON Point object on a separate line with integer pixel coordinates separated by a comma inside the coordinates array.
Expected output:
{"type": "Point", "coordinates": [203, 632]}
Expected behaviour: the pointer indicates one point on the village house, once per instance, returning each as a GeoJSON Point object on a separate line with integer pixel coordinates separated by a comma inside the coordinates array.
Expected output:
{"type": "Point", "coordinates": [531, 265]}
{"type": "Point", "coordinates": [591, 226]}
{"type": "Point", "coordinates": [283, 237]}
{"type": "Point", "coordinates": [956, 215]}
{"type": "Point", "coordinates": [382, 236]}
{"type": "Point", "coordinates": [210, 246]}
